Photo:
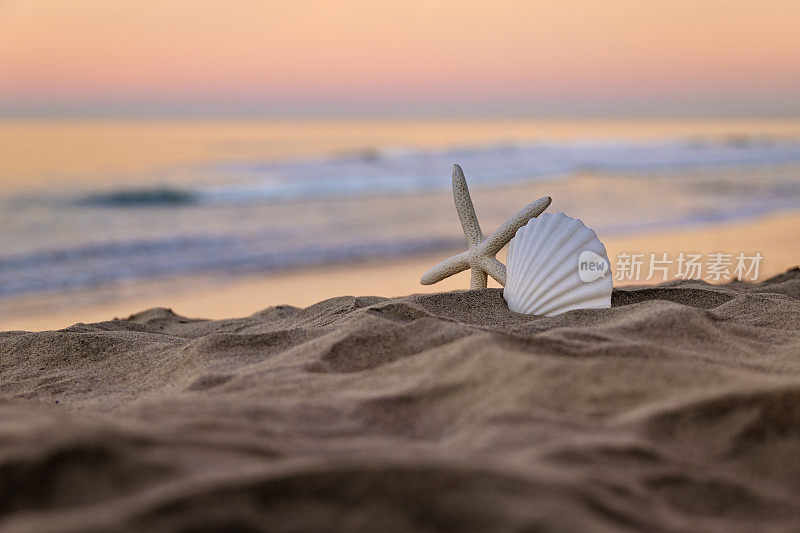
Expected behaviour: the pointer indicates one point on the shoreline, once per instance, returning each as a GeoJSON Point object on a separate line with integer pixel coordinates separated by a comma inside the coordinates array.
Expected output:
{"type": "Point", "coordinates": [775, 236]}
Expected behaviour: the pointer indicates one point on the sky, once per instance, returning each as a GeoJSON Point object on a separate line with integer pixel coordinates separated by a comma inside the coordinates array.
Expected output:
{"type": "Point", "coordinates": [409, 57]}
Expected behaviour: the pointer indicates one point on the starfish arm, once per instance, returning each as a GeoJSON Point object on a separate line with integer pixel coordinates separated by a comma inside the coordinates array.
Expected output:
{"type": "Point", "coordinates": [478, 280]}
{"type": "Point", "coordinates": [509, 228]}
{"type": "Point", "coordinates": [466, 211]}
{"type": "Point", "coordinates": [445, 269]}
{"type": "Point", "coordinates": [494, 268]}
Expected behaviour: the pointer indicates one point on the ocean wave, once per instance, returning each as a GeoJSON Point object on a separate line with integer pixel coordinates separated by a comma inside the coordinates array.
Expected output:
{"type": "Point", "coordinates": [240, 217]}
{"type": "Point", "coordinates": [110, 262]}
{"type": "Point", "coordinates": [407, 170]}
{"type": "Point", "coordinates": [141, 197]}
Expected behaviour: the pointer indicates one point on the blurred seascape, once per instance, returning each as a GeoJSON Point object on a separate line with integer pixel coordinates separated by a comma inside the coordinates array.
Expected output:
{"type": "Point", "coordinates": [88, 204]}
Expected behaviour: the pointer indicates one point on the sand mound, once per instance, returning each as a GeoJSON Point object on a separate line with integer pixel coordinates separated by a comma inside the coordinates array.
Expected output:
{"type": "Point", "coordinates": [676, 409]}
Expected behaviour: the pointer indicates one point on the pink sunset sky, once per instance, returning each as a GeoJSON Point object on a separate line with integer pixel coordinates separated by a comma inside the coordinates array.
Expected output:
{"type": "Point", "coordinates": [221, 57]}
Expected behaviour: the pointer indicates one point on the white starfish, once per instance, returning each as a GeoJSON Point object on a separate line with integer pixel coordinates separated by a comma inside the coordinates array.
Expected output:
{"type": "Point", "coordinates": [480, 256]}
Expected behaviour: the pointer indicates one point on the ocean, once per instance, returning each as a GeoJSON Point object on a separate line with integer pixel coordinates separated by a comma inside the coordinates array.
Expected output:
{"type": "Point", "coordinates": [88, 203]}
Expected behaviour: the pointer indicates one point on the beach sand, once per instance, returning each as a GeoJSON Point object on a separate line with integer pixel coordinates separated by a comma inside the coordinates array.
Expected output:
{"type": "Point", "coordinates": [678, 409]}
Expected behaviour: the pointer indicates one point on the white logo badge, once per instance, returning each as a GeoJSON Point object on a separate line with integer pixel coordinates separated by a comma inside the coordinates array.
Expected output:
{"type": "Point", "coordinates": [591, 266]}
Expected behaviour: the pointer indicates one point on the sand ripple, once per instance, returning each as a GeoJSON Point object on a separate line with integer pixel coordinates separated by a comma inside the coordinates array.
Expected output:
{"type": "Point", "coordinates": [677, 409]}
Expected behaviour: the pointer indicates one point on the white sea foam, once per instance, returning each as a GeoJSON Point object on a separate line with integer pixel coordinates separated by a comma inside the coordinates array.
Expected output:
{"type": "Point", "coordinates": [408, 170]}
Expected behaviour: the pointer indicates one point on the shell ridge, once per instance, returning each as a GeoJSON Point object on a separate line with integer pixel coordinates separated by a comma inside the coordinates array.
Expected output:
{"type": "Point", "coordinates": [524, 238]}
{"type": "Point", "coordinates": [557, 290]}
{"type": "Point", "coordinates": [543, 269]}
{"type": "Point", "coordinates": [566, 300]}
{"type": "Point", "coordinates": [532, 236]}
{"type": "Point", "coordinates": [510, 272]}
{"type": "Point", "coordinates": [557, 262]}
{"type": "Point", "coordinates": [531, 277]}
{"type": "Point", "coordinates": [591, 293]}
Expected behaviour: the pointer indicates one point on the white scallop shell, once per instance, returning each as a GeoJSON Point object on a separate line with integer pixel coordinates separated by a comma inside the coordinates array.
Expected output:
{"type": "Point", "coordinates": [548, 260]}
